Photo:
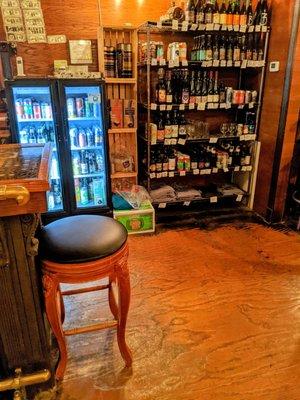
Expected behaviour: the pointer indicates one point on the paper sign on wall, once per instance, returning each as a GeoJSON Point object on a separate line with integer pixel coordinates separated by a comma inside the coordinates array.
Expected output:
{"type": "Point", "coordinates": [13, 21]}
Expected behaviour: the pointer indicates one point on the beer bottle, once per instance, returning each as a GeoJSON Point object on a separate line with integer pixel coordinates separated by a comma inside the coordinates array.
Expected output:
{"type": "Point", "coordinates": [200, 14]}
{"type": "Point", "coordinates": [202, 49]}
{"type": "Point", "coordinates": [161, 87]}
{"type": "Point", "coordinates": [169, 94]}
{"type": "Point", "coordinates": [264, 13]}
{"type": "Point", "coordinates": [185, 92]}
{"type": "Point", "coordinates": [175, 123]}
{"type": "Point", "coordinates": [83, 163]}
{"type": "Point", "coordinates": [255, 49]}
{"type": "Point", "coordinates": [204, 88]}
{"type": "Point", "coordinates": [236, 13]}
{"type": "Point", "coordinates": [209, 9]}
{"type": "Point", "coordinates": [160, 128]}
{"type": "Point", "coordinates": [190, 11]}
{"type": "Point", "coordinates": [243, 14]}
{"type": "Point", "coordinates": [216, 13]}
{"type": "Point", "coordinates": [198, 86]}
{"type": "Point", "coordinates": [209, 49]}
{"type": "Point", "coordinates": [222, 48]}
{"type": "Point", "coordinates": [229, 51]}
{"type": "Point", "coordinates": [222, 93]}
{"type": "Point", "coordinates": [182, 126]}
{"type": "Point", "coordinates": [249, 13]}
{"type": "Point", "coordinates": [216, 48]}
{"type": "Point", "coordinates": [237, 50]}
{"type": "Point", "coordinates": [257, 15]}
{"type": "Point", "coordinates": [229, 16]}
{"type": "Point", "coordinates": [216, 95]}
{"type": "Point", "coordinates": [243, 48]}
{"type": "Point", "coordinates": [223, 14]}
{"type": "Point", "coordinates": [210, 91]}
{"type": "Point", "coordinates": [152, 161]}
{"type": "Point", "coordinates": [249, 48]}
{"type": "Point", "coordinates": [84, 192]}
{"type": "Point", "coordinates": [192, 88]}
{"type": "Point", "coordinates": [32, 136]}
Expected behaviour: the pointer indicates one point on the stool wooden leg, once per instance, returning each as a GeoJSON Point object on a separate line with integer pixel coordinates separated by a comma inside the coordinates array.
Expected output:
{"type": "Point", "coordinates": [124, 301]}
{"type": "Point", "coordinates": [111, 298]}
{"type": "Point", "coordinates": [62, 306]}
{"type": "Point", "coordinates": [51, 288]}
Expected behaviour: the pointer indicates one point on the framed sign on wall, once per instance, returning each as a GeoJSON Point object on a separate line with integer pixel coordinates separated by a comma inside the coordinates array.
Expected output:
{"type": "Point", "coordinates": [80, 51]}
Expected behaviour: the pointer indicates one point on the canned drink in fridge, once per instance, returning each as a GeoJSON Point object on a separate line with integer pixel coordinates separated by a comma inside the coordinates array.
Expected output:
{"type": "Point", "coordinates": [254, 96]}
{"type": "Point", "coordinates": [241, 97]}
{"type": "Point", "coordinates": [79, 107]}
{"type": "Point", "coordinates": [235, 97]}
{"type": "Point", "coordinates": [73, 136]}
{"type": "Point", "coordinates": [248, 96]}
{"type": "Point", "coordinates": [229, 95]}
{"type": "Point", "coordinates": [28, 112]}
{"type": "Point", "coordinates": [36, 110]}
{"type": "Point", "coordinates": [46, 110]}
{"type": "Point", "coordinates": [71, 107]}
{"type": "Point", "coordinates": [19, 108]}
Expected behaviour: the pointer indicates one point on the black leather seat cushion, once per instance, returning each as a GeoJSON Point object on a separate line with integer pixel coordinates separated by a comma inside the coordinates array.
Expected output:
{"type": "Point", "coordinates": [81, 238]}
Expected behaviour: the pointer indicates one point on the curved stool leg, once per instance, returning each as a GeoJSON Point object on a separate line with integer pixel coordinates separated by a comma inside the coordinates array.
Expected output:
{"type": "Point", "coordinates": [62, 305]}
{"type": "Point", "coordinates": [124, 301]}
{"type": "Point", "coordinates": [111, 298]}
{"type": "Point", "coordinates": [52, 310]}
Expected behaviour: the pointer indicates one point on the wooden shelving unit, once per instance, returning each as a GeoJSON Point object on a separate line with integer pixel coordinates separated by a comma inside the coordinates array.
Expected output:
{"type": "Point", "coordinates": [121, 88]}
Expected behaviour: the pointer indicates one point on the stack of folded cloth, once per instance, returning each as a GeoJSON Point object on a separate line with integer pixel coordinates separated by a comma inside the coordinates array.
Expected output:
{"type": "Point", "coordinates": [163, 193]}
{"type": "Point", "coordinates": [185, 193]}
{"type": "Point", "coordinates": [229, 190]}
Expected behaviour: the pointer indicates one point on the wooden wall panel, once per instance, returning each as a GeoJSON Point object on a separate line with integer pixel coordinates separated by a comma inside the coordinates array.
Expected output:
{"type": "Point", "coordinates": [279, 43]}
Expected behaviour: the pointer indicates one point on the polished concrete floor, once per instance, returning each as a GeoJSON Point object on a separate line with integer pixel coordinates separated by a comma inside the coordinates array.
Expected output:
{"type": "Point", "coordinates": [215, 315]}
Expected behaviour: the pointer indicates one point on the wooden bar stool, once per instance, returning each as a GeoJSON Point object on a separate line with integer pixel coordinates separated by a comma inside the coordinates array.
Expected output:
{"type": "Point", "coordinates": [82, 249]}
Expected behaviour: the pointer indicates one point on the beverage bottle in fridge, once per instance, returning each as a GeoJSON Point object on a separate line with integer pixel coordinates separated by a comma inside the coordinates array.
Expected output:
{"type": "Point", "coordinates": [46, 110]}
{"type": "Point", "coordinates": [90, 137]}
{"type": "Point", "coordinates": [91, 189]}
{"type": "Point", "coordinates": [84, 163]}
{"type": "Point", "coordinates": [19, 109]}
{"type": "Point", "coordinates": [98, 191]}
{"type": "Point", "coordinates": [98, 134]}
{"type": "Point", "coordinates": [36, 108]}
{"type": "Point", "coordinates": [84, 192]}
{"type": "Point", "coordinates": [77, 190]}
{"type": "Point", "coordinates": [56, 193]}
{"type": "Point", "coordinates": [28, 111]}
{"type": "Point", "coordinates": [32, 135]}
{"type": "Point", "coordinates": [100, 162]}
{"type": "Point", "coordinates": [92, 163]}
{"type": "Point", "coordinates": [49, 133]}
{"type": "Point", "coordinates": [73, 132]}
{"type": "Point", "coordinates": [79, 103]}
{"type": "Point", "coordinates": [51, 204]}
{"type": "Point", "coordinates": [41, 135]}
{"type": "Point", "coordinates": [54, 167]}
{"type": "Point", "coordinates": [71, 107]}
{"type": "Point", "coordinates": [76, 163]}
{"type": "Point", "coordinates": [24, 136]}
{"type": "Point", "coordinates": [81, 137]}
{"type": "Point", "coordinates": [96, 110]}
{"type": "Point", "coordinates": [88, 108]}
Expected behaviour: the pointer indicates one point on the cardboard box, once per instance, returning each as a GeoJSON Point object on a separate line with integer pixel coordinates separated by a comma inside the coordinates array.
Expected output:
{"type": "Point", "coordinates": [128, 114]}
{"type": "Point", "coordinates": [116, 113]}
{"type": "Point", "coordinates": [137, 221]}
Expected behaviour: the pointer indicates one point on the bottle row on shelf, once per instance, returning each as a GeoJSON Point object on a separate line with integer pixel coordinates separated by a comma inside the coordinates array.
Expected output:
{"type": "Point", "coordinates": [90, 191]}
{"type": "Point", "coordinates": [175, 129]}
{"type": "Point", "coordinates": [212, 12]}
{"type": "Point", "coordinates": [219, 48]}
{"type": "Point", "coordinates": [54, 195]}
{"type": "Point", "coordinates": [186, 87]}
{"type": "Point", "coordinates": [83, 107]}
{"type": "Point", "coordinates": [203, 160]}
{"type": "Point", "coordinates": [32, 109]}
{"type": "Point", "coordinates": [91, 136]}
{"type": "Point", "coordinates": [243, 64]}
{"type": "Point", "coordinates": [118, 61]}
{"type": "Point", "coordinates": [42, 133]}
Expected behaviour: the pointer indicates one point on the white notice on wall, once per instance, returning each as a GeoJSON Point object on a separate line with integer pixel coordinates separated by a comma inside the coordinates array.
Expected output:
{"type": "Point", "coordinates": [34, 21]}
{"type": "Point", "coordinates": [13, 20]}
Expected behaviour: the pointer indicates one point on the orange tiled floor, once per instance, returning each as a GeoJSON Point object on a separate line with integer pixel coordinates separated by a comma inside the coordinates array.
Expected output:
{"type": "Point", "coordinates": [215, 315]}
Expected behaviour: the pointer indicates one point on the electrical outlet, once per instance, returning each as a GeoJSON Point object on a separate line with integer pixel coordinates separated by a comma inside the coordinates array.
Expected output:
{"type": "Point", "coordinates": [274, 66]}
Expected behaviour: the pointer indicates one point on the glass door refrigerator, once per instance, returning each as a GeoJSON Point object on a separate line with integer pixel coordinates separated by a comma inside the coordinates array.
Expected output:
{"type": "Point", "coordinates": [71, 115]}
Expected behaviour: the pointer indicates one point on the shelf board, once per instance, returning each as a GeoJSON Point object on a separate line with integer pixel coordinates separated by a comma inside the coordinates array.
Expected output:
{"type": "Point", "coordinates": [73, 119]}
{"type": "Point", "coordinates": [122, 130]}
{"type": "Point", "coordinates": [119, 175]}
{"type": "Point", "coordinates": [205, 64]}
{"type": "Point", "coordinates": [210, 106]}
{"type": "Point", "coordinates": [210, 139]}
{"type": "Point", "coordinates": [121, 80]}
{"type": "Point", "coordinates": [35, 120]}
{"type": "Point", "coordinates": [200, 172]}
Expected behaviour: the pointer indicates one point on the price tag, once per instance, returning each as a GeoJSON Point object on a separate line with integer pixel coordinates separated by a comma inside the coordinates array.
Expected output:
{"type": "Point", "coordinates": [223, 27]}
{"type": "Point", "coordinates": [243, 28]}
{"type": "Point", "coordinates": [204, 64]}
{"type": "Point", "coordinates": [209, 27]}
{"type": "Point", "coordinates": [185, 63]}
{"type": "Point", "coordinates": [182, 107]}
{"type": "Point", "coordinates": [171, 63]}
{"type": "Point", "coordinates": [201, 27]}
{"type": "Point", "coordinates": [252, 137]}
{"type": "Point", "coordinates": [162, 205]}
{"type": "Point", "coordinates": [241, 106]}
{"type": "Point", "coordinates": [210, 106]}
{"type": "Point", "coordinates": [251, 29]}
{"type": "Point", "coordinates": [158, 175]}
{"type": "Point", "coordinates": [191, 106]}
{"type": "Point", "coordinates": [244, 169]}
{"type": "Point", "coordinates": [222, 105]}
{"type": "Point", "coordinates": [209, 63]}
{"type": "Point", "coordinates": [213, 199]}
{"type": "Point", "coordinates": [223, 63]}
{"type": "Point", "coordinates": [153, 62]}
{"type": "Point", "coordinates": [208, 171]}
{"type": "Point", "coordinates": [250, 63]}
{"type": "Point", "coordinates": [215, 170]}
{"type": "Point", "coordinates": [198, 99]}
{"type": "Point", "coordinates": [162, 62]}
{"type": "Point", "coordinates": [159, 24]}
{"type": "Point", "coordinates": [175, 24]}
{"type": "Point", "coordinates": [173, 141]}
{"type": "Point", "coordinates": [213, 140]}
{"type": "Point", "coordinates": [217, 27]}
{"type": "Point", "coordinates": [181, 141]}
{"type": "Point", "coordinates": [236, 169]}
{"type": "Point", "coordinates": [176, 63]}
{"type": "Point", "coordinates": [171, 174]}
{"type": "Point", "coordinates": [167, 142]}
{"type": "Point", "coordinates": [184, 26]}
{"type": "Point", "coordinates": [257, 28]}
{"type": "Point", "coordinates": [237, 63]}
{"type": "Point", "coordinates": [203, 172]}
{"type": "Point", "coordinates": [229, 27]}
{"type": "Point", "coordinates": [229, 63]}
{"type": "Point", "coordinates": [262, 63]}
{"type": "Point", "coordinates": [152, 175]}
{"type": "Point", "coordinates": [182, 173]}
{"type": "Point", "coordinates": [194, 27]}
{"type": "Point", "coordinates": [153, 106]}
{"type": "Point", "coordinates": [164, 174]}
{"type": "Point", "coordinates": [244, 64]}
{"type": "Point", "coordinates": [264, 28]}
{"type": "Point", "coordinates": [242, 138]}
{"type": "Point", "coordinates": [251, 105]}
{"type": "Point", "coordinates": [196, 171]}
{"type": "Point", "coordinates": [186, 203]}
{"type": "Point", "coordinates": [239, 198]}
{"type": "Point", "coordinates": [216, 106]}
{"type": "Point", "coordinates": [169, 107]}
{"type": "Point", "coordinates": [162, 107]}
{"type": "Point", "coordinates": [201, 106]}
{"type": "Point", "coordinates": [236, 28]}
{"type": "Point", "coordinates": [216, 63]}
{"type": "Point", "coordinates": [248, 137]}
{"type": "Point", "coordinates": [225, 169]}
{"type": "Point", "coordinates": [249, 168]}
{"type": "Point", "coordinates": [228, 105]}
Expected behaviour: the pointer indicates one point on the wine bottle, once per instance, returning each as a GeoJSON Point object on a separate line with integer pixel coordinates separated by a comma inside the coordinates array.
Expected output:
{"type": "Point", "coordinates": [209, 49]}
{"type": "Point", "coordinates": [229, 16]}
{"type": "Point", "coordinates": [190, 11]}
{"type": "Point", "coordinates": [169, 93]}
{"type": "Point", "coordinates": [198, 87]}
{"type": "Point", "coordinates": [216, 13]}
{"type": "Point", "coordinates": [243, 48]}
{"type": "Point", "coordinates": [243, 15]}
{"type": "Point", "coordinates": [204, 88]}
{"type": "Point", "coordinates": [257, 15]}
{"type": "Point", "coordinates": [237, 50]}
{"type": "Point", "coordinates": [216, 54]}
{"type": "Point", "coordinates": [200, 14]}
{"type": "Point", "coordinates": [193, 88]}
{"type": "Point", "coordinates": [216, 95]}
{"type": "Point", "coordinates": [264, 11]}
{"type": "Point", "coordinates": [209, 12]}
{"type": "Point", "coordinates": [222, 48]}
{"type": "Point", "coordinates": [250, 13]}
{"type": "Point", "coordinates": [236, 13]}
{"type": "Point", "coordinates": [223, 14]}
{"type": "Point", "coordinates": [229, 50]}
{"type": "Point", "coordinates": [160, 128]}
{"type": "Point", "coordinates": [185, 92]}
{"type": "Point", "coordinates": [161, 87]}
{"type": "Point", "coordinates": [210, 90]}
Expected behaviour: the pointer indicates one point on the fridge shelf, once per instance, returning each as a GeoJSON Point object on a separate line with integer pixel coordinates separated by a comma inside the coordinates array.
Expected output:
{"type": "Point", "coordinates": [74, 119]}
{"type": "Point", "coordinates": [36, 120]}
{"type": "Point", "coordinates": [89, 175]}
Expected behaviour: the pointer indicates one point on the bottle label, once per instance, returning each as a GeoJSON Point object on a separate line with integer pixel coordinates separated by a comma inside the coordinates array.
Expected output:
{"type": "Point", "coordinates": [169, 98]}
{"type": "Point", "coordinates": [264, 19]}
{"type": "Point", "coordinates": [243, 19]}
{"type": "Point", "coordinates": [223, 19]}
{"type": "Point", "coordinates": [208, 55]}
{"type": "Point", "coordinates": [194, 164]}
{"type": "Point", "coordinates": [222, 53]}
{"type": "Point", "coordinates": [168, 131]}
{"type": "Point", "coordinates": [229, 19]}
{"type": "Point", "coordinates": [201, 55]}
{"type": "Point", "coordinates": [229, 54]}
{"type": "Point", "coordinates": [236, 54]}
{"type": "Point", "coordinates": [236, 19]}
{"type": "Point", "coordinates": [185, 97]}
{"type": "Point", "coordinates": [216, 18]}
{"type": "Point", "coordinates": [250, 19]}
{"type": "Point", "coordinates": [182, 130]}
{"type": "Point", "coordinates": [160, 134]}
{"type": "Point", "coordinates": [161, 96]}
{"type": "Point", "coordinates": [190, 16]}
{"type": "Point", "coordinates": [201, 17]}
{"type": "Point", "coordinates": [209, 18]}
{"type": "Point", "coordinates": [175, 131]}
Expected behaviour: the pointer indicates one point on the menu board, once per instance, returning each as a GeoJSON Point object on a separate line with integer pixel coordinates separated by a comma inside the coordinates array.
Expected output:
{"type": "Point", "coordinates": [34, 21]}
{"type": "Point", "coordinates": [13, 20]}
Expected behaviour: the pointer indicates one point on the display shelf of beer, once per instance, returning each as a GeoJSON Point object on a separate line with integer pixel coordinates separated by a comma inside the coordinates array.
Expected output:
{"type": "Point", "coordinates": [81, 119]}
{"type": "Point", "coordinates": [21, 120]}
{"type": "Point", "coordinates": [175, 26]}
{"type": "Point", "coordinates": [210, 139]}
{"type": "Point", "coordinates": [242, 64]}
{"type": "Point", "coordinates": [202, 172]}
{"type": "Point", "coordinates": [201, 106]}
{"type": "Point", "coordinates": [118, 175]}
{"type": "Point", "coordinates": [131, 81]}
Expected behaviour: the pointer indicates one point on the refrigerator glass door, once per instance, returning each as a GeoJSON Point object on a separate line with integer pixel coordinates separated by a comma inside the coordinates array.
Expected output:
{"type": "Point", "coordinates": [86, 138]}
{"type": "Point", "coordinates": [35, 124]}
